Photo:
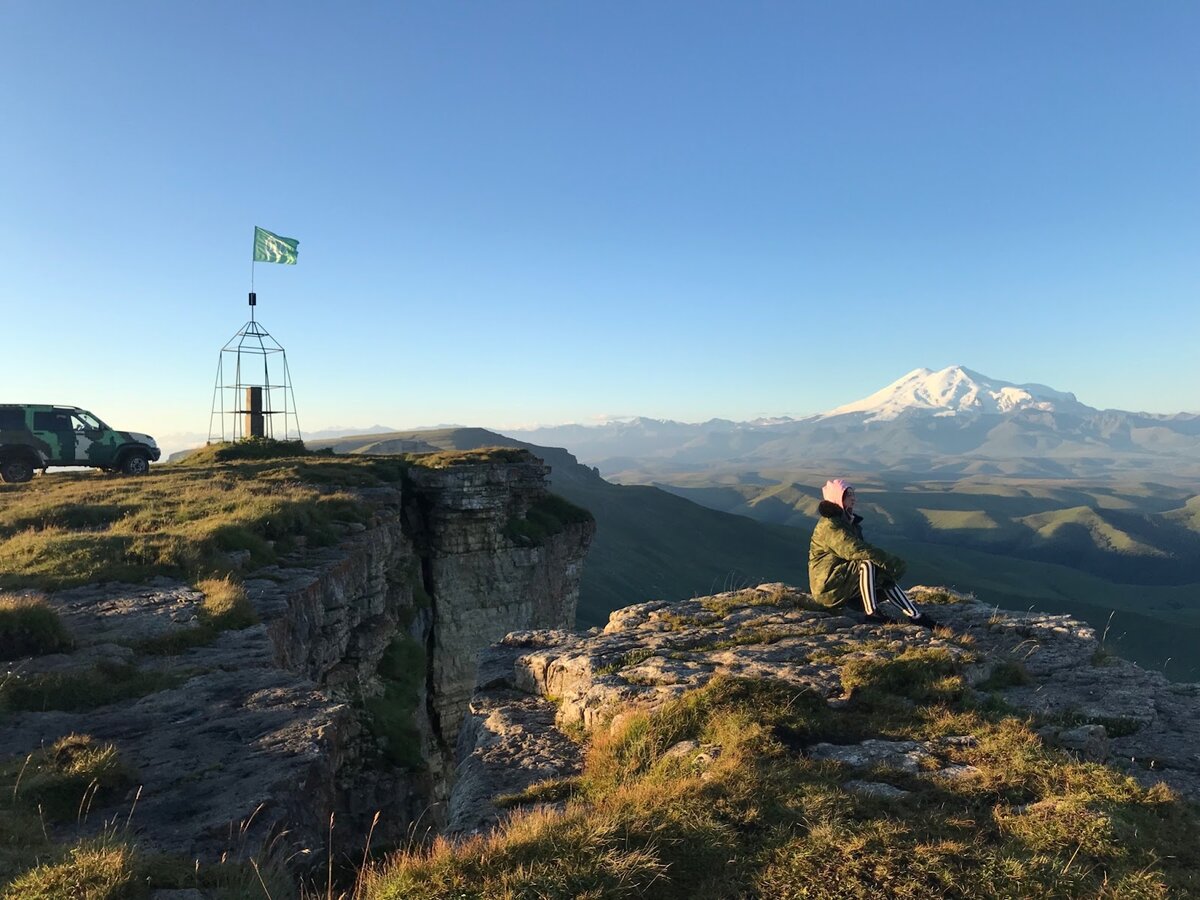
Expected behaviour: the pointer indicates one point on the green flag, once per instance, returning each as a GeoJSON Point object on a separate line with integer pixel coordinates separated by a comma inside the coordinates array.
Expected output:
{"type": "Point", "coordinates": [273, 248]}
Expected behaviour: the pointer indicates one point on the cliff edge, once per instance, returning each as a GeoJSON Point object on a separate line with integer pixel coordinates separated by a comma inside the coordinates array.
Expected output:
{"type": "Point", "coordinates": [753, 744]}
{"type": "Point", "coordinates": [338, 693]}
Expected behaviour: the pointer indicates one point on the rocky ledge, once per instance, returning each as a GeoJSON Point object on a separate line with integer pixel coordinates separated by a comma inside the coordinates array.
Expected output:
{"type": "Point", "coordinates": [232, 737]}
{"type": "Point", "coordinates": [539, 689]}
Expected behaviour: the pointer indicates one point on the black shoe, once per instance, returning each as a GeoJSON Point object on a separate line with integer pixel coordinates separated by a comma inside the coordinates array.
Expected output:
{"type": "Point", "coordinates": [924, 621]}
{"type": "Point", "coordinates": [875, 619]}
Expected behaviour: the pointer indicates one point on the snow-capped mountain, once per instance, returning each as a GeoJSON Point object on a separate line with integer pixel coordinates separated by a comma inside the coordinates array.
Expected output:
{"type": "Point", "coordinates": [953, 391]}
{"type": "Point", "coordinates": [952, 421]}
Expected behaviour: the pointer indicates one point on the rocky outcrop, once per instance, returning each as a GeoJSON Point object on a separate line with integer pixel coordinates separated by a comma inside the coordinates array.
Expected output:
{"type": "Point", "coordinates": [1098, 706]}
{"type": "Point", "coordinates": [226, 746]}
{"type": "Point", "coordinates": [270, 727]}
{"type": "Point", "coordinates": [479, 581]}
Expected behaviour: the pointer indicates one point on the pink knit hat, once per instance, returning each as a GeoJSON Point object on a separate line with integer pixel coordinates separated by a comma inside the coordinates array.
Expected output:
{"type": "Point", "coordinates": [834, 489]}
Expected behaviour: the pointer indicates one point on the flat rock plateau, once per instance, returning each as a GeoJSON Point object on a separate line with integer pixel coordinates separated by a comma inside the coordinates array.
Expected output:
{"type": "Point", "coordinates": [538, 689]}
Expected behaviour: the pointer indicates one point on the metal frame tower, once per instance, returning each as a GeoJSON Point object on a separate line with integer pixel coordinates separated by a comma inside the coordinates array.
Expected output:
{"type": "Point", "coordinates": [245, 391]}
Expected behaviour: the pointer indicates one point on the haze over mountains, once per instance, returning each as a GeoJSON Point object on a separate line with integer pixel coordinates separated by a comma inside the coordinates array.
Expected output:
{"type": "Point", "coordinates": [950, 422]}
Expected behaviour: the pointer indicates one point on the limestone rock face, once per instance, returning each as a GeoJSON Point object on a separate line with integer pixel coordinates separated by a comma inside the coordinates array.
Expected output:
{"type": "Point", "coordinates": [480, 575]}
{"type": "Point", "coordinates": [1051, 665]}
{"type": "Point", "coordinates": [265, 728]}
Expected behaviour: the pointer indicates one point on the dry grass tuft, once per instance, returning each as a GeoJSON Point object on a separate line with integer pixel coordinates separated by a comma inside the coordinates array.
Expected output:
{"type": "Point", "coordinates": [92, 870]}
{"type": "Point", "coordinates": [757, 818]}
{"type": "Point", "coordinates": [61, 781]}
{"type": "Point", "coordinates": [30, 627]}
{"type": "Point", "coordinates": [226, 605]}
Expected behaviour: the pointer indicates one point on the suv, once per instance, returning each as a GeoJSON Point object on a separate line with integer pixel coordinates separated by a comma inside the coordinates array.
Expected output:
{"type": "Point", "coordinates": [36, 436]}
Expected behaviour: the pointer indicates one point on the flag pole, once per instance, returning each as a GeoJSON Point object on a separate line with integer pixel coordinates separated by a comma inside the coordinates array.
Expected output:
{"type": "Point", "coordinates": [253, 299]}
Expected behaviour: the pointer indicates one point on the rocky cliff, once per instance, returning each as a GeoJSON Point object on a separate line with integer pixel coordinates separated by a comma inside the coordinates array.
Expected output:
{"type": "Point", "coordinates": [346, 697]}
{"type": "Point", "coordinates": [538, 691]}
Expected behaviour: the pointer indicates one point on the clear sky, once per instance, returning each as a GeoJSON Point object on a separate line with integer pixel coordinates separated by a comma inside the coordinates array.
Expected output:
{"type": "Point", "coordinates": [540, 212]}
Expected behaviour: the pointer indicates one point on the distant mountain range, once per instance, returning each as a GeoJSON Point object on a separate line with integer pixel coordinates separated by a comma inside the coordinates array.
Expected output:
{"type": "Point", "coordinates": [950, 422]}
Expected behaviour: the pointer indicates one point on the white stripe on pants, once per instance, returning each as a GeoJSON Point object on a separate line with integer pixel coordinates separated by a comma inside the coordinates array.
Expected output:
{"type": "Point", "coordinates": [892, 593]}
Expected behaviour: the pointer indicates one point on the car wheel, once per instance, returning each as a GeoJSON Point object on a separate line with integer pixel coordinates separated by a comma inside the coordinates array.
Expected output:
{"type": "Point", "coordinates": [15, 471]}
{"type": "Point", "coordinates": [135, 464]}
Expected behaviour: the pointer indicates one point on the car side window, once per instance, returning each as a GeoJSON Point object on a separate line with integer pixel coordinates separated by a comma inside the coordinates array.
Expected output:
{"type": "Point", "coordinates": [50, 421]}
{"type": "Point", "coordinates": [12, 419]}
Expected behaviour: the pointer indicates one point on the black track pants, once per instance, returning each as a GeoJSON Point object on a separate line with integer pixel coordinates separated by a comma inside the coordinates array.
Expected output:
{"type": "Point", "coordinates": [891, 594]}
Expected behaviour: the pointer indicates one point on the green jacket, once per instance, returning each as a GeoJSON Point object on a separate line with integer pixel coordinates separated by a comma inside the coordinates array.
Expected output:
{"type": "Point", "coordinates": [833, 556]}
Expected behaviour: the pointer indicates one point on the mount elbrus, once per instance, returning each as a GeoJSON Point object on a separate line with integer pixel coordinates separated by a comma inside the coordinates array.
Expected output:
{"type": "Point", "coordinates": [952, 421]}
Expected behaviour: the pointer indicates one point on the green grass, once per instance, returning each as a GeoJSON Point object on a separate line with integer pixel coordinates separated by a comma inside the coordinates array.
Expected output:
{"type": "Point", "coordinates": [915, 674]}
{"type": "Point", "coordinates": [959, 518]}
{"type": "Point", "coordinates": [762, 819]}
{"type": "Point", "coordinates": [90, 870]}
{"type": "Point", "coordinates": [472, 457]}
{"type": "Point", "coordinates": [1115, 726]}
{"type": "Point", "coordinates": [632, 658]}
{"type": "Point", "coordinates": [61, 785]}
{"type": "Point", "coordinates": [1004, 675]}
{"type": "Point", "coordinates": [182, 520]}
{"type": "Point", "coordinates": [390, 715]}
{"type": "Point", "coordinates": [1089, 527]}
{"type": "Point", "coordinates": [185, 519]}
{"type": "Point", "coordinates": [225, 607]}
{"type": "Point", "coordinates": [102, 685]}
{"type": "Point", "coordinates": [549, 515]}
{"type": "Point", "coordinates": [58, 782]}
{"type": "Point", "coordinates": [743, 637]}
{"type": "Point", "coordinates": [254, 448]}
{"type": "Point", "coordinates": [30, 627]}
{"type": "Point", "coordinates": [112, 867]}
{"type": "Point", "coordinates": [552, 790]}
{"type": "Point", "coordinates": [779, 595]}
{"type": "Point", "coordinates": [936, 597]}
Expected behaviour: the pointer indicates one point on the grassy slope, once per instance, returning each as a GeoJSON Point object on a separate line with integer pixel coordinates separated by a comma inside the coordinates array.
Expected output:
{"type": "Point", "coordinates": [74, 528]}
{"type": "Point", "coordinates": [745, 814]}
{"type": "Point", "coordinates": [1135, 533]}
{"type": "Point", "coordinates": [1156, 627]}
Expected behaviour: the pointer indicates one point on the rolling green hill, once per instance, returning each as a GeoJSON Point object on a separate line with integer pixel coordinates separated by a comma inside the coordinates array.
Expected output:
{"type": "Point", "coordinates": [1088, 548]}
{"type": "Point", "coordinates": [1141, 533]}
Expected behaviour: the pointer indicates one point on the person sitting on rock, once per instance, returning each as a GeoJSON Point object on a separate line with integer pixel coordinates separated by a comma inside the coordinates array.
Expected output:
{"type": "Point", "coordinates": [843, 567]}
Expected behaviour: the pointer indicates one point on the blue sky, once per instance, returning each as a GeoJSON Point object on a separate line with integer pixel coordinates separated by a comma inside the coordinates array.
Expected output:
{"type": "Point", "coordinates": [525, 212]}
